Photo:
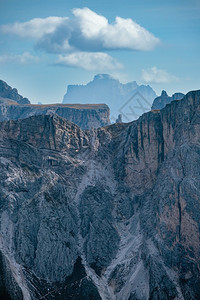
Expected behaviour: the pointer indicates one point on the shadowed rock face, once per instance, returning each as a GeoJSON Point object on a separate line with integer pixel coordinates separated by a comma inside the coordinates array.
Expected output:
{"type": "Point", "coordinates": [85, 116]}
{"type": "Point", "coordinates": [7, 92]}
{"type": "Point", "coordinates": [161, 101]}
{"type": "Point", "coordinates": [13, 107]}
{"type": "Point", "coordinates": [110, 213]}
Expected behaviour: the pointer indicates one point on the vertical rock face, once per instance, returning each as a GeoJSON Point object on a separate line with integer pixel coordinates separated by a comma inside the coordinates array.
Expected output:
{"type": "Point", "coordinates": [110, 213]}
{"type": "Point", "coordinates": [85, 116]}
{"type": "Point", "coordinates": [161, 101]}
{"type": "Point", "coordinates": [13, 107]}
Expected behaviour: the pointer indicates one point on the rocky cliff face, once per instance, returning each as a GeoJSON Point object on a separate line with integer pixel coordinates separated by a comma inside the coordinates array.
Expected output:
{"type": "Point", "coordinates": [85, 116]}
{"type": "Point", "coordinates": [161, 101]}
{"type": "Point", "coordinates": [130, 99]}
{"type": "Point", "coordinates": [13, 107]}
{"type": "Point", "coordinates": [7, 92]}
{"type": "Point", "coordinates": [110, 213]}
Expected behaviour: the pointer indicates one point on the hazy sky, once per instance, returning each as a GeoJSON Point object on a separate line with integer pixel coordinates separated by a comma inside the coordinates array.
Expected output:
{"type": "Point", "coordinates": [47, 44]}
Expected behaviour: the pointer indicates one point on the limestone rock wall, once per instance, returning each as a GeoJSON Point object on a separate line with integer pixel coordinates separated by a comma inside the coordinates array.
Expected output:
{"type": "Point", "coordinates": [108, 213]}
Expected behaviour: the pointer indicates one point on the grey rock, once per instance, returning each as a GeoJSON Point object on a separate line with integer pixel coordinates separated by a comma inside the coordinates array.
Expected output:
{"type": "Point", "coordinates": [86, 116]}
{"type": "Point", "coordinates": [119, 119]}
{"type": "Point", "coordinates": [13, 107]}
{"type": "Point", "coordinates": [7, 92]}
{"type": "Point", "coordinates": [177, 96]}
{"type": "Point", "coordinates": [161, 101]}
{"type": "Point", "coordinates": [101, 238]}
{"type": "Point", "coordinates": [107, 213]}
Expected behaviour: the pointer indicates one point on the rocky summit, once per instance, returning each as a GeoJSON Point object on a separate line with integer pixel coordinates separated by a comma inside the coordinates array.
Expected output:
{"type": "Point", "coordinates": [130, 100]}
{"type": "Point", "coordinates": [161, 101]}
{"type": "Point", "coordinates": [109, 213]}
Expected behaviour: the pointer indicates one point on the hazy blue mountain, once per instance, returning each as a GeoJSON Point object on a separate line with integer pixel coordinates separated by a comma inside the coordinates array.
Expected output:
{"type": "Point", "coordinates": [130, 100]}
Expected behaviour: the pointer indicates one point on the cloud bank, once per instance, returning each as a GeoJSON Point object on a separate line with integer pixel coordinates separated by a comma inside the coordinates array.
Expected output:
{"type": "Point", "coordinates": [89, 61]}
{"type": "Point", "coordinates": [35, 28]}
{"type": "Point", "coordinates": [83, 38]}
{"type": "Point", "coordinates": [23, 58]}
{"type": "Point", "coordinates": [122, 34]}
{"type": "Point", "coordinates": [155, 75]}
{"type": "Point", "coordinates": [85, 31]}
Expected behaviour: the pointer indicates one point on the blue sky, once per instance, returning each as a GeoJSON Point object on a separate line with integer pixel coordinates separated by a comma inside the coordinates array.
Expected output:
{"type": "Point", "coordinates": [46, 44]}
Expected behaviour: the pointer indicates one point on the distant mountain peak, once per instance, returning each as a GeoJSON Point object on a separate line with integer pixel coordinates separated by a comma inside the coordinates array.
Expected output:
{"type": "Point", "coordinates": [121, 98]}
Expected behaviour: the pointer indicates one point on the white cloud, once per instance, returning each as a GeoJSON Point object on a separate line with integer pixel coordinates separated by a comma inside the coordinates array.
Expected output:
{"type": "Point", "coordinates": [24, 58]}
{"type": "Point", "coordinates": [35, 28]}
{"type": "Point", "coordinates": [85, 31]}
{"type": "Point", "coordinates": [155, 75]}
{"type": "Point", "coordinates": [90, 23]}
{"type": "Point", "coordinates": [122, 34]}
{"type": "Point", "coordinates": [82, 39]}
{"type": "Point", "coordinates": [90, 61]}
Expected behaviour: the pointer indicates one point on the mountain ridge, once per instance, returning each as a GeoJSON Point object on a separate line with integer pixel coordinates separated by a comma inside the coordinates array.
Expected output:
{"type": "Point", "coordinates": [161, 101]}
{"type": "Point", "coordinates": [85, 115]}
{"type": "Point", "coordinates": [116, 208]}
{"type": "Point", "coordinates": [11, 93]}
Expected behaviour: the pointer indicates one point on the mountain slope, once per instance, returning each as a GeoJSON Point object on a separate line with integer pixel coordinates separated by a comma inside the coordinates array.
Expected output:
{"type": "Point", "coordinates": [110, 213]}
{"type": "Point", "coordinates": [7, 92]}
